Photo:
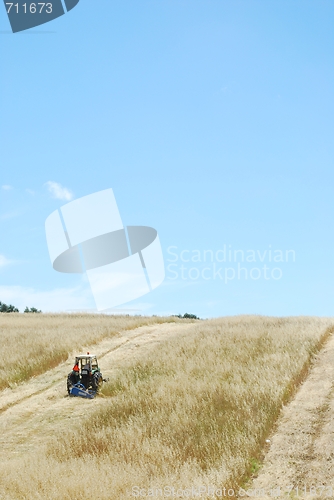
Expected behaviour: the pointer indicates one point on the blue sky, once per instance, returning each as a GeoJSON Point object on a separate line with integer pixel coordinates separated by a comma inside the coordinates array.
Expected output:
{"type": "Point", "coordinates": [212, 121]}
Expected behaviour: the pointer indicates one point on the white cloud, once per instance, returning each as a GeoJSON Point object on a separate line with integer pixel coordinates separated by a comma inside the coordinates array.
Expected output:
{"type": "Point", "coordinates": [11, 215]}
{"type": "Point", "coordinates": [6, 187]}
{"type": "Point", "coordinates": [57, 300]}
{"type": "Point", "coordinates": [58, 191]}
{"type": "Point", "coordinates": [74, 299]}
{"type": "Point", "coordinates": [3, 261]}
{"type": "Point", "coordinates": [30, 191]}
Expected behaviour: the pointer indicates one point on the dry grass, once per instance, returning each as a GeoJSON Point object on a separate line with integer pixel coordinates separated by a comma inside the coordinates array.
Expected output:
{"type": "Point", "coordinates": [194, 412]}
{"type": "Point", "coordinates": [34, 343]}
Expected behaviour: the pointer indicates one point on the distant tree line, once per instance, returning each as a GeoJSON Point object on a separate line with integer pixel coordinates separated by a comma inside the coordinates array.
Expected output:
{"type": "Point", "coordinates": [4, 308]}
{"type": "Point", "coordinates": [187, 316]}
{"type": "Point", "coordinates": [8, 309]}
{"type": "Point", "coordinates": [31, 310]}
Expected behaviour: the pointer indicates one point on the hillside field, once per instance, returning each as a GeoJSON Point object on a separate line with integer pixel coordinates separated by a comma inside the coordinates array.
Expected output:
{"type": "Point", "coordinates": [189, 404]}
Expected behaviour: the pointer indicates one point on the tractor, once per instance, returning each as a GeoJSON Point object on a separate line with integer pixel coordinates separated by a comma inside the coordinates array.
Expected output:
{"type": "Point", "coordinates": [85, 379]}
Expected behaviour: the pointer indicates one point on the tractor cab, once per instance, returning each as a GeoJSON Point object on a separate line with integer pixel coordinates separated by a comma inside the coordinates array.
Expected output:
{"type": "Point", "coordinates": [86, 363]}
{"type": "Point", "coordinates": [85, 378]}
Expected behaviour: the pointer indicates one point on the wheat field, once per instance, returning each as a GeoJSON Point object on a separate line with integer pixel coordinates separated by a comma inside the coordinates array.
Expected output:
{"type": "Point", "coordinates": [192, 414]}
{"type": "Point", "coordinates": [34, 343]}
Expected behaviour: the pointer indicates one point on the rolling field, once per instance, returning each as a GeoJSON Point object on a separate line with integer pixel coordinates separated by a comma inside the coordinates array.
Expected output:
{"type": "Point", "coordinates": [33, 343]}
{"type": "Point", "coordinates": [188, 404]}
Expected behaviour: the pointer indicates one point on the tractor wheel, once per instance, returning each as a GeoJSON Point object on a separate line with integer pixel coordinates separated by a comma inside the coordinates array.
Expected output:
{"type": "Point", "coordinates": [97, 381]}
{"type": "Point", "coordinates": [69, 383]}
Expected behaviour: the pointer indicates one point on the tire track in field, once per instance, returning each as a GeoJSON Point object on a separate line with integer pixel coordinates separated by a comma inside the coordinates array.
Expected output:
{"type": "Point", "coordinates": [300, 461]}
{"type": "Point", "coordinates": [30, 412]}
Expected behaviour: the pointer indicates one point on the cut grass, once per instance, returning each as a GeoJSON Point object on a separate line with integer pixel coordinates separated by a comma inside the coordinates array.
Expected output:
{"type": "Point", "coordinates": [200, 407]}
{"type": "Point", "coordinates": [194, 412]}
{"type": "Point", "coordinates": [31, 344]}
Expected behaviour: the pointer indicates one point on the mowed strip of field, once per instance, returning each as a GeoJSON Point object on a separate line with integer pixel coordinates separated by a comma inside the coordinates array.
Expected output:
{"type": "Point", "coordinates": [190, 411]}
{"type": "Point", "coordinates": [299, 461]}
{"type": "Point", "coordinates": [34, 343]}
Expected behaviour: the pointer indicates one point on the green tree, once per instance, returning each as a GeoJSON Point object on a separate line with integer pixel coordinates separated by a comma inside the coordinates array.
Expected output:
{"type": "Point", "coordinates": [4, 308]}
{"type": "Point", "coordinates": [31, 310]}
{"type": "Point", "coordinates": [190, 316]}
{"type": "Point", "coordinates": [187, 316]}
